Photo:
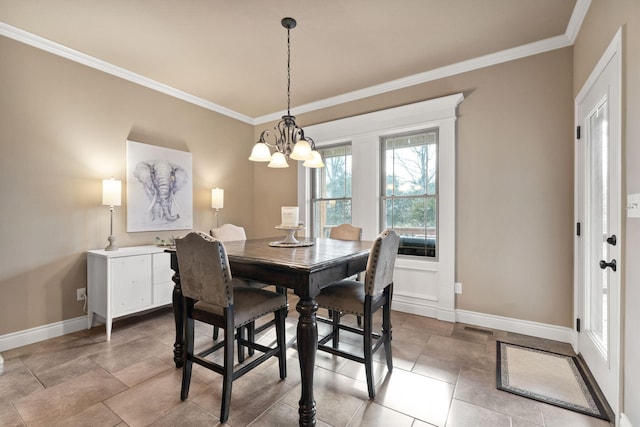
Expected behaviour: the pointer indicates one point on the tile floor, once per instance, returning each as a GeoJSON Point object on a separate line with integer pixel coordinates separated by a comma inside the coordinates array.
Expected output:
{"type": "Point", "coordinates": [444, 375]}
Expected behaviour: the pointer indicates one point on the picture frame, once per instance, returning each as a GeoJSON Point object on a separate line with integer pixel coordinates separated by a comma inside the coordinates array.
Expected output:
{"type": "Point", "coordinates": [159, 188]}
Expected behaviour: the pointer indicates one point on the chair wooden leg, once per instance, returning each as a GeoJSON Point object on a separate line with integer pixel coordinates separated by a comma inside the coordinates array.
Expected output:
{"type": "Point", "coordinates": [283, 291]}
{"type": "Point", "coordinates": [386, 331]}
{"type": "Point", "coordinates": [335, 317]}
{"type": "Point", "coordinates": [368, 353]}
{"type": "Point", "coordinates": [215, 333]}
{"type": "Point", "coordinates": [227, 379]}
{"type": "Point", "coordinates": [281, 340]}
{"type": "Point", "coordinates": [251, 336]}
{"type": "Point", "coordinates": [188, 358]}
{"type": "Point", "coordinates": [240, 346]}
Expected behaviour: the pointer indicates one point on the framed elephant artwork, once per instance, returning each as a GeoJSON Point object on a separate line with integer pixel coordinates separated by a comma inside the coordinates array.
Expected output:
{"type": "Point", "coordinates": [159, 188]}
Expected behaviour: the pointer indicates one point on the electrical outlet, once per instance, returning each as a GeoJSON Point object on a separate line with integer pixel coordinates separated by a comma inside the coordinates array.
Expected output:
{"type": "Point", "coordinates": [458, 287]}
{"type": "Point", "coordinates": [81, 294]}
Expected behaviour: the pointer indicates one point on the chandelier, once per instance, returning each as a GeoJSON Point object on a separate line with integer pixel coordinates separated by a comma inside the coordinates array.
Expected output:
{"type": "Point", "coordinates": [289, 140]}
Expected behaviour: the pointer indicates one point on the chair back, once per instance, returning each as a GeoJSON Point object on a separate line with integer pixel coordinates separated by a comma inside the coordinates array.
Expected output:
{"type": "Point", "coordinates": [381, 262]}
{"type": "Point", "coordinates": [204, 269]}
{"type": "Point", "coordinates": [229, 233]}
{"type": "Point", "coordinates": [345, 232]}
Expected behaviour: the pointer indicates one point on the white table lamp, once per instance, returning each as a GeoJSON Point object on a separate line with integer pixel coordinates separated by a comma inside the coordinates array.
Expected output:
{"type": "Point", "coordinates": [217, 202]}
{"type": "Point", "coordinates": [111, 196]}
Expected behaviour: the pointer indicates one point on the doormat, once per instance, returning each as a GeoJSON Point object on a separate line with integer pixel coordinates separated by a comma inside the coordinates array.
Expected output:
{"type": "Point", "coordinates": [548, 377]}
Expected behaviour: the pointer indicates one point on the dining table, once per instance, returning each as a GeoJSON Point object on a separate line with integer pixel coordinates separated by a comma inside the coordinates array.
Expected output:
{"type": "Point", "coordinates": [305, 268]}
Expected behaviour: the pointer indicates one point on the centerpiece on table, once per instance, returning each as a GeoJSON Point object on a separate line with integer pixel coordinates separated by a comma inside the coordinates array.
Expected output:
{"type": "Point", "coordinates": [290, 223]}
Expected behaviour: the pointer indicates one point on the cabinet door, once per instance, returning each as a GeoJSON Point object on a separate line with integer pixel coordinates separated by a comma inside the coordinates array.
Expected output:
{"type": "Point", "coordinates": [162, 279]}
{"type": "Point", "coordinates": [131, 283]}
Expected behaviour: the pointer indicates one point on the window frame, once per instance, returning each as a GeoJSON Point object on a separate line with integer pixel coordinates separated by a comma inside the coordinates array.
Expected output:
{"type": "Point", "coordinates": [426, 196]}
{"type": "Point", "coordinates": [314, 186]}
{"type": "Point", "coordinates": [421, 285]}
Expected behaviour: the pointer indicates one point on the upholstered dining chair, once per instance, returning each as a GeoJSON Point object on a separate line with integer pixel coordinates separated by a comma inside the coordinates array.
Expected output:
{"type": "Point", "coordinates": [231, 232]}
{"type": "Point", "coordinates": [349, 296]}
{"type": "Point", "coordinates": [347, 232]}
{"type": "Point", "coordinates": [210, 297]}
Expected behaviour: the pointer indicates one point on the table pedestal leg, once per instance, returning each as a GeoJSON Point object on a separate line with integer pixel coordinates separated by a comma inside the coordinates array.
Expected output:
{"type": "Point", "coordinates": [307, 347]}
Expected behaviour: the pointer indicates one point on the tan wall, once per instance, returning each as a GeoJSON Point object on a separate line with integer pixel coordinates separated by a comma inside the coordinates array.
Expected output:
{"type": "Point", "coordinates": [601, 24]}
{"type": "Point", "coordinates": [514, 170]}
{"type": "Point", "coordinates": [515, 191]}
{"type": "Point", "coordinates": [63, 128]}
{"type": "Point", "coordinates": [514, 184]}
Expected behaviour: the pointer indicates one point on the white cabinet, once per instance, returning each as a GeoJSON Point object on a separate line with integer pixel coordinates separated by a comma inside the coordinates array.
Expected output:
{"type": "Point", "coordinates": [127, 281]}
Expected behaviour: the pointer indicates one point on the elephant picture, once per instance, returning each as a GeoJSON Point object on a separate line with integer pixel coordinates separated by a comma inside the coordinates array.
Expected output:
{"type": "Point", "coordinates": [159, 188]}
{"type": "Point", "coordinates": [161, 180]}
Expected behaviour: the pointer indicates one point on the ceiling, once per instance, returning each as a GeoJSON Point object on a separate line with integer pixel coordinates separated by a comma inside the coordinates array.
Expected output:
{"type": "Point", "coordinates": [232, 55]}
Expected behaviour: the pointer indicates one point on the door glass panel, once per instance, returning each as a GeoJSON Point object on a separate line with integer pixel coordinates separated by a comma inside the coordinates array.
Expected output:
{"type": "Point", "coordinates": [598, 248]}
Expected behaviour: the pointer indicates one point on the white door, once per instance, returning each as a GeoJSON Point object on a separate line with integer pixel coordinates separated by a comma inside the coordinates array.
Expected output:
{"type": "Point", "coordinates": [598, 207]}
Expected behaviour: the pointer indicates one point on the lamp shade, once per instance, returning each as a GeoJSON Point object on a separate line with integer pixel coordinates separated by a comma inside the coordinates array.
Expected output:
{"type": "Point", "coordinates": [217, 198]}
{"type": "Point", "coordinates": [260, 153]}
{"type": "Point", "coordinates": [278, 160]}
{"type": "Point", "coordinates": [301, 151]}
{"type": "Point", "coordinates": [315, 162]}
{"type": "Point", "coordinates": [111, 192]}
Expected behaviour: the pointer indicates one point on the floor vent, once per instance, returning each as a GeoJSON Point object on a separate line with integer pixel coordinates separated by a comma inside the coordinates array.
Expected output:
{"type": "Point", "coordinates": [478, 330]}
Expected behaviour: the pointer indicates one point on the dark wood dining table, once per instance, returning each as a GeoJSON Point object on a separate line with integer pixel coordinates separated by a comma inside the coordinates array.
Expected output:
{"type": "Point", "coordinates": [305, 270]}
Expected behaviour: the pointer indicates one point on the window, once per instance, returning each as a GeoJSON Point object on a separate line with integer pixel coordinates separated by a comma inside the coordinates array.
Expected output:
{"type": "Point", "coordinates": [422, 284]}
{"type": "Point", "coordinates": [409, 190]}
{"type": "Point", "coordinates": [331, 190]}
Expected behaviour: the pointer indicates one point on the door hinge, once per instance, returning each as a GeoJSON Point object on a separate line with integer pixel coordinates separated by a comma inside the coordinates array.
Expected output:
{"type": "Point", "coordinates": [577, 228]}
{"type": "Point", "coordinates": [577, 132]}
{"type": "Point", "coordinates": [578, 325]}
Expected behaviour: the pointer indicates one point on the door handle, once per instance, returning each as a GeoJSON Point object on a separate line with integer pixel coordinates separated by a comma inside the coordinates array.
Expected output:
{"type": "Point", "coordinates": [612, 240]}
{"type": "Point", "coordinates": [612, 264]}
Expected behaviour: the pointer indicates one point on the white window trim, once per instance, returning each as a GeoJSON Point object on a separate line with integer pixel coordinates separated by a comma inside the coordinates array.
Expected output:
{"type": "Point", "coordinates": [364, 132]}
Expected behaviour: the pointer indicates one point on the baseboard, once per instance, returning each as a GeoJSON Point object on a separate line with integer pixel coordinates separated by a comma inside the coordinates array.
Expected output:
{"type": "Point", "coordinates": [428, 308]}
{"type": "Point", "coordinates": [41, 333]}
{"type": "Point", "coordinates": [421, 307]}
{"type": "Point", "coordinates": [624, 421]}
{"type": "Point", "coordinates": [525, 327]}
{"type": "Point", "coordinates": [408, 305]}
{"type": "Point", "coordinates": [540, 330]}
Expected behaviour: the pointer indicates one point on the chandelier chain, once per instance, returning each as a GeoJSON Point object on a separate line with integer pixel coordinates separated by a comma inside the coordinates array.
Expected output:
{"type": "Point", "coordinates": [288, 71]}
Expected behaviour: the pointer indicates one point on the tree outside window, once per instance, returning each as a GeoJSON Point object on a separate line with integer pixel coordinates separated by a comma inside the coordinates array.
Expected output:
{"type": "Point", "coordinates": [331, 190]}
{"type": "Point", "coordinates": [409, 192]}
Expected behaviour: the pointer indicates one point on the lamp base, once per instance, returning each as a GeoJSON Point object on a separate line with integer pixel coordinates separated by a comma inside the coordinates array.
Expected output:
{"type": "Point", "coordinates": [112, 244]}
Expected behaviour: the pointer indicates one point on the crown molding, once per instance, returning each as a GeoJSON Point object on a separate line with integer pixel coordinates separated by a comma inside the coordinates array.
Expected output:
{"type": "Point", "coordinates": [577, 18]}
{"type": "Point", "coordinates": [534, 48]}
{"type": "Point", "coordinates": [546, 45]}
{"type": "Point", "coordinates": [98, 64]}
